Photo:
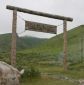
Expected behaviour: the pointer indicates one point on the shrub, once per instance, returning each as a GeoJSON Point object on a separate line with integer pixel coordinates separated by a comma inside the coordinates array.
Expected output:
{"type": "Point", "coordinates": [30, 73]}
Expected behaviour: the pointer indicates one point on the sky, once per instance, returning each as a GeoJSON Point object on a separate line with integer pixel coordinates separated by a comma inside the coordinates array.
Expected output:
{"type": "Point", "coordinates": [68, 8]}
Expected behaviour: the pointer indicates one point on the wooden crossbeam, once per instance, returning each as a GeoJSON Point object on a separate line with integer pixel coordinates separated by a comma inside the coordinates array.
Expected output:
{"type": "Point", "coordinates": [39, 13]}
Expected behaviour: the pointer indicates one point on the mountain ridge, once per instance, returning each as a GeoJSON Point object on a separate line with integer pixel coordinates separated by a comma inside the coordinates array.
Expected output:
{"type": "Point", "coordinates": [22, 42]}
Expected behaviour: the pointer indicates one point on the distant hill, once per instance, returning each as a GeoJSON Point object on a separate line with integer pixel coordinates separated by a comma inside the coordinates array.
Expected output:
{"type": "Point", "coordinates": [52, 49]}
{"type": "Point", "coordinates": [22, 42]}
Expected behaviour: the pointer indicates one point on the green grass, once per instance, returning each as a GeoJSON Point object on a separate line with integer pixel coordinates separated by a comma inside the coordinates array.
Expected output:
{"type": "Point", "coordinates": [47, 81]}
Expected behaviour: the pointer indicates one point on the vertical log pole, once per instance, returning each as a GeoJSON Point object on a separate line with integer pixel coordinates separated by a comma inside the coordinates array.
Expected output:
{"type": "Point", "coordinates": [13, 44]}
{"type": "Point", "coordinates": [65, 44]}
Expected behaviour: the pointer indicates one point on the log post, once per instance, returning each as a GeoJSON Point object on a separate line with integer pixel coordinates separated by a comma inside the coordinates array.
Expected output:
{"type": "Point", "coordinates": [65, 44]}
{"type": "Point", "coordinates": [13, 44]}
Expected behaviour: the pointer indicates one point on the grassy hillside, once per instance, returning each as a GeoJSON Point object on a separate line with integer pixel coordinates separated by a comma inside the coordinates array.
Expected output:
{"type": "Point", "coordinates": [50, 52]}
{"type": "Point", "coordinates": [47, 57]}
{"type": "Point", "coordinates": [52, 49]}
{"type": "Point", "coordinates": [22, 42]}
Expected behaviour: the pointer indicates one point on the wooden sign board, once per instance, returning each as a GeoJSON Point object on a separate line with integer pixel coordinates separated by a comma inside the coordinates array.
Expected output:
{"type": "Point", "coordinates": [34, 26]}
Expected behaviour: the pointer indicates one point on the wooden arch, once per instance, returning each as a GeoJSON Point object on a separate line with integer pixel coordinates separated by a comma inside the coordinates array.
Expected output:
{"type": "Point", "coordinates": [14, 25]}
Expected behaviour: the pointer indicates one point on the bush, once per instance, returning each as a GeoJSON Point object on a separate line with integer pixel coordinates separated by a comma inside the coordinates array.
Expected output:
{"type": "Point", "coordinates": [30, 73]}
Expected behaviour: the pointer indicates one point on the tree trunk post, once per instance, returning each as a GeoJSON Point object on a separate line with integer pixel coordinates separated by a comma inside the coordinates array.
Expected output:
{"type": "Point", "coordinates": [13, 44]}
{"type": "Point", "coordinates": [65, 44]}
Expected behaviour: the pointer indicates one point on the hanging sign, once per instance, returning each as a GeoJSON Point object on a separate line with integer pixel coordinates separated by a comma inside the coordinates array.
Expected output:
{"type": "Point", "coordinates": [34, 26]}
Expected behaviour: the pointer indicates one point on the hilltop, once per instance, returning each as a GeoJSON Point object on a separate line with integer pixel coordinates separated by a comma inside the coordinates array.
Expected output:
{"type": "Point", "coordinates": [22, 42]}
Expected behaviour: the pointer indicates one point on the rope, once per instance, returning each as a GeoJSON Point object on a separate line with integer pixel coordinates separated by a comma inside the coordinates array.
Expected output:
{"type": "Point", "coordinates": [23, 20]}
{"type": "Point", "coordinates": [21, 17]}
